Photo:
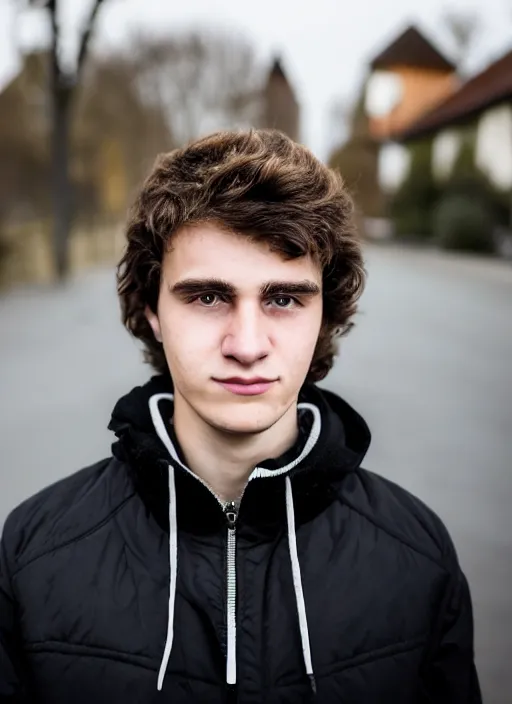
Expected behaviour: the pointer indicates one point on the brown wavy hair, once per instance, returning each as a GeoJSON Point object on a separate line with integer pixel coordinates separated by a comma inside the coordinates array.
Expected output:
{"type": "Point", "coordinates": [256, 183]}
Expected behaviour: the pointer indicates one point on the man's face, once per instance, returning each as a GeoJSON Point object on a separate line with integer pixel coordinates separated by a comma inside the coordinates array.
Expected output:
{"type": "Point", "coordinates": [231, 312]}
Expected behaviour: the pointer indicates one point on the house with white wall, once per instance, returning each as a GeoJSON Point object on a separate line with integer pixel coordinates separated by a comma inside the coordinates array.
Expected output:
{"type": "Point", "coordinates": [407, 79]}
{"type": "Point", "coordinates": [479, 114]}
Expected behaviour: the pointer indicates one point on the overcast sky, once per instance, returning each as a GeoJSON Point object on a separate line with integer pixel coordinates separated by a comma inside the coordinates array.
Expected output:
{"type": "Point", "coordinates": [325, 44]}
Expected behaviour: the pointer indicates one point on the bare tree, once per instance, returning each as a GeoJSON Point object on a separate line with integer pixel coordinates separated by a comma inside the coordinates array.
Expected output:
{"type": "Point", "coordinates": [110, 105]}
{"type": "Point", "coordinates": [206, 81]}
{"type": "Point", "coordinates": [62, 88]}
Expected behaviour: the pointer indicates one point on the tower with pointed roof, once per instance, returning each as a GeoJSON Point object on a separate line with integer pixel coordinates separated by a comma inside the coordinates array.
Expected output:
{"type": "Point", "coordinates": [407, 79]}
{"type": "Point", "coordinates": [280, 106]}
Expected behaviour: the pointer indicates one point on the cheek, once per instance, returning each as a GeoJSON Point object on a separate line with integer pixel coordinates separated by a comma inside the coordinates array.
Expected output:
{"type": "Point", "coordinates": [298, 344]}
{"type": "Point", "coordinates": [187, 339]}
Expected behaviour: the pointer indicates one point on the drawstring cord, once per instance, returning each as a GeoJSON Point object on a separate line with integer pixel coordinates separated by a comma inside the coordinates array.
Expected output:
{"type": "Point", "coordinates": [173, 530]}
{"type": "Point", "coordinates": [297, 585]}
{"type": "Point", "coordinates": [173, 571]}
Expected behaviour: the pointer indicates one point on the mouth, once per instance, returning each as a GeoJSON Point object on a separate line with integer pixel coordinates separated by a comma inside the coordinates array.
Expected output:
{"type": "Point", "coordinates": [246, 387]}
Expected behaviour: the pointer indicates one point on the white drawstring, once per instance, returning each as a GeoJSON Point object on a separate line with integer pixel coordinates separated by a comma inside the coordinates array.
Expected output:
{"type": "Point", "coordinates": [173, 530]}
{"type": "Point", "coordinates": [173, 570]}
{"type": "Point", "coordinates": [297, 584]}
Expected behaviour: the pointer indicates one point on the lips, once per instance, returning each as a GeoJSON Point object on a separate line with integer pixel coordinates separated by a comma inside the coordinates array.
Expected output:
{"type": "Point", "coordinates": [246, 382]}
{"type": "Point", "coordinates": [246, 387]}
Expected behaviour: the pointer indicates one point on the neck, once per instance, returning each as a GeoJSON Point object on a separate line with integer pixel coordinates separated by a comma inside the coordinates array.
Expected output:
{"type": "Point", "coordinates": [225, 460]}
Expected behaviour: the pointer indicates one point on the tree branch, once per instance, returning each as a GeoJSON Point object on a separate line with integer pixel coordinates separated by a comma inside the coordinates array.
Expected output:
{"type": "Point", "coordinates": [86, 37]}
{"type": "Point", "coordinates": [56, 72]}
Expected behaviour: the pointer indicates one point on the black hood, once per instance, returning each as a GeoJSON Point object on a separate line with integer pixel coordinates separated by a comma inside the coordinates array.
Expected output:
{"type": "Point", "coordinates": [341, 446]}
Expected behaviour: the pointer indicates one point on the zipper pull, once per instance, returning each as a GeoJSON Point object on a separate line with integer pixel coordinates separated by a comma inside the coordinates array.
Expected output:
{"type": "Point", "coordinates": [231, 513]}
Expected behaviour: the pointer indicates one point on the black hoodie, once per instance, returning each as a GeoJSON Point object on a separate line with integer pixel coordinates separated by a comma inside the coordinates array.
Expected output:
{"type": "Point", "coordinates": [131, 582]}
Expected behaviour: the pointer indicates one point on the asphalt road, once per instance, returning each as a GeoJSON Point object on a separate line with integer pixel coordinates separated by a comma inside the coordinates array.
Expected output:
{"type": "Point", "coordinates": [429, 365]}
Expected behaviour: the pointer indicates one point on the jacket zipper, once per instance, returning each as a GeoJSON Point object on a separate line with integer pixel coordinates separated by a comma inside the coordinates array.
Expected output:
{"type": "Point", "coordinates": [231, 513]}
{"type": "Point", "coordinates": [230, 510]}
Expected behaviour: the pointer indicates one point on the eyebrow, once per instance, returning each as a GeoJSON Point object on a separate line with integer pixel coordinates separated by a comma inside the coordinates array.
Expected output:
{"type": "Point", "coordinates": [188, 287]}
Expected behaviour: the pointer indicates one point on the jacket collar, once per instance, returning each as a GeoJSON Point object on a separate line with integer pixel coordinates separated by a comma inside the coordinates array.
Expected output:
{"type": "Point", "coordinates": [343, 441]}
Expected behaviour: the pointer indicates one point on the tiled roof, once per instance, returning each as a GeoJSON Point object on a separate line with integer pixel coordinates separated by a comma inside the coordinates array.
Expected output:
{"type": "Point", "coordinates": [412, 48]}
{"type": "Point", "coordinates": [491, 86]}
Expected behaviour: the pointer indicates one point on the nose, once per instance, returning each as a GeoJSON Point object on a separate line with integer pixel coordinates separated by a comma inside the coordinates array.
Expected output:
{"type": "Point", "coordinates": [246, 338]}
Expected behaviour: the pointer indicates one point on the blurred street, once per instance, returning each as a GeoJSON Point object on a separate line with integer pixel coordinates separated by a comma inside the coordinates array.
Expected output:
{"type": "Point", "coordinates": [429, 365]}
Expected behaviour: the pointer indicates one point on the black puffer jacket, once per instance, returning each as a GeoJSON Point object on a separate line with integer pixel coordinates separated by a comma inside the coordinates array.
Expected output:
{"type": "Point", "coordinates": [337, 585]}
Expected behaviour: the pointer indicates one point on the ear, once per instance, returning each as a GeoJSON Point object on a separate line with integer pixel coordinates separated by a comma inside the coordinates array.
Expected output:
{"type": "Point", "coordinates": [152, 319]}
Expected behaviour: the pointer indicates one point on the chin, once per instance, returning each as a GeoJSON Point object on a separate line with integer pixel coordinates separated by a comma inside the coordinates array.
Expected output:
{"type": "Point", "coordinates": [243, 421]}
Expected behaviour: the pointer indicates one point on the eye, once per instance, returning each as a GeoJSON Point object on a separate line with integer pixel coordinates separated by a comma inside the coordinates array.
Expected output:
{"type": "Point", "coordinates": [284, 301]}
{"type": "Point", "coordinates": [208, 299]}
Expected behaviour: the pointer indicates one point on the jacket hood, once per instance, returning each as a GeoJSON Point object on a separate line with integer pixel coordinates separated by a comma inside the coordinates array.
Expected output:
{"type": "Point", "coordinates": [343, 440]}
{"type": "Point", "coordinates": [332, 442]}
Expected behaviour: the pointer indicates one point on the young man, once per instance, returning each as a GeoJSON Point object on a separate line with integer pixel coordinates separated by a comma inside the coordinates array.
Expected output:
{"type": "Point", "coordinates": [233, 549]}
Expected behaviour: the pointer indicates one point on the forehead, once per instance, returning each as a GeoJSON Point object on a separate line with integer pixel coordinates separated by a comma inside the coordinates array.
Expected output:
{"type": "Point", "coordinates": [208, 251]}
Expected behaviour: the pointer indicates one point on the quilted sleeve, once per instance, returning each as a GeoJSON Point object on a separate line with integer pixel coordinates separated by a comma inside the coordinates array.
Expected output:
{"type": "Point", "coordinates": [12, 689]}
{"type": "Point", "coordinates": [450, 675]}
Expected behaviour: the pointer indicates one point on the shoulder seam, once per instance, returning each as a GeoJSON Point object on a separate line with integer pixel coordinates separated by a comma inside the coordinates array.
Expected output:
{"type": "Point", "coordinates": [77, 538]}
{"type": "Point", "coordinates": [394, 535]}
